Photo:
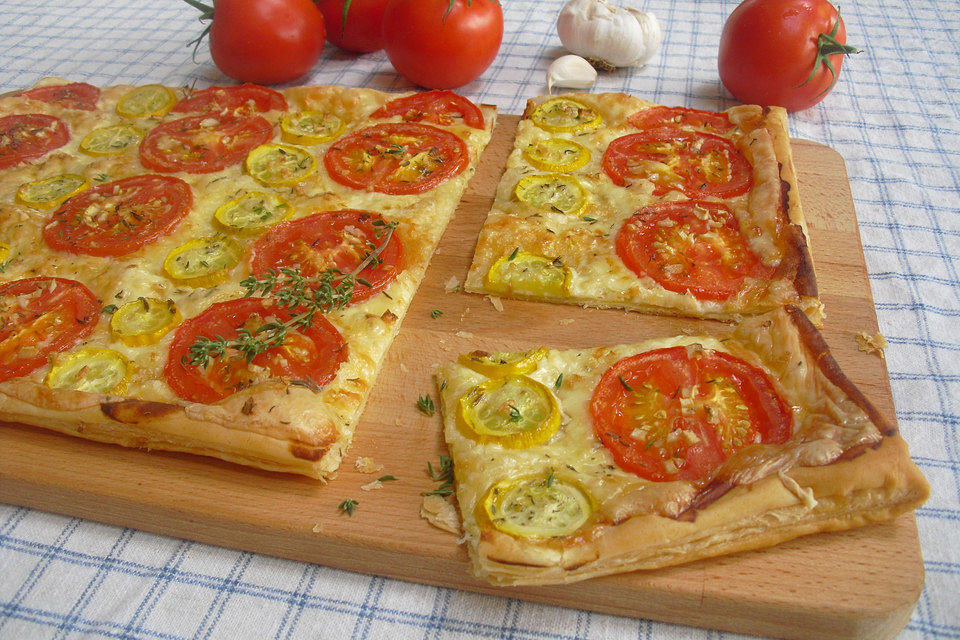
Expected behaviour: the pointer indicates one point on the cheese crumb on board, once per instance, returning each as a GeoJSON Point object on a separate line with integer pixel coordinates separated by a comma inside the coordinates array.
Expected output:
{"type": "Point", "coordinates": [439, 512]}
{"type": "Point", "coordinates": [495, 301]}
{"type": "Point", "coordinates": [871, 344]}
{"type": "Point", "coordinates": [367, 465]}
{"type": "Point", "coordinates": [452, 285]}
{"type": "Point", "coordinates": [370, 486]}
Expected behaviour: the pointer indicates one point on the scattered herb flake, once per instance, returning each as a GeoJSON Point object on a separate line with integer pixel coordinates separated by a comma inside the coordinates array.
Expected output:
{"type": "Point", "coordinates": [444, 475]}
{"type": "Point", "coordinates": [436, 313]}
{"type": "Point", "coordinates": [348, 506]}
{"type": "Point", "coordinates": [624, 383]}
{"type": "Point", "coordinates": [425, 405]}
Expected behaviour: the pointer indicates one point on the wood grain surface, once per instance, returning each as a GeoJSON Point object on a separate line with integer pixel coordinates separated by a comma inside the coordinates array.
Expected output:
{"type": "Point", "coordinates": [856, 584]}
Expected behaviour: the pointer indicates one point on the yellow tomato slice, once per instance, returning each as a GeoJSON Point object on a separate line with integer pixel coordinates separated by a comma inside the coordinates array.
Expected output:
{"type": "Point", "coordinates": [529, 273]}
{"type": "Point", "coordinates": [51, 192]}
{"type": "Point", "coordinates": [535, 507]}
{"type": "Point", "coordinates": [503, 364]}
{"type": "Point", "coordinates": [557, 154]}
{"type": "Point", "coordinates": [552, 192]}
{"type": "Point", "coordinates": [146, 101]}
{"type": "Point", "coordinates": [91, 369]}
{"type": "Point", "coordinates": [4, 254]}
{"type": "Point", "coordinates": [311, 127]}
{"type": "Point", "coordinates": [515, 412]}
{"type": "Point", "coordinates": [280, 165]}
{"type": "Point", "coordinates": [252, 213]}
{"type": "Point", "coordinates": [203, 262]}
{"type": "Point", "coordinates": [108, 141]}
{"type": "Point", "coordinates": [565, 115]}
{"type": "Point", "coordinates": [144, 321]}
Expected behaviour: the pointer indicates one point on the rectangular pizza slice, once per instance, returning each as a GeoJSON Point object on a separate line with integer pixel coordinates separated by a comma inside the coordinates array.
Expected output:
{"type": "Point", "coordinates": [218, 272]}
{"type": "Point", "coordinates": [608, 200]}
{"type": "Point", "coordinates": [579, 463]}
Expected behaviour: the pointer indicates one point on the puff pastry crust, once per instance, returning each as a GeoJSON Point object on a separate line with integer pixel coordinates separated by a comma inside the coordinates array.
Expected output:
{"type": "Point", "coordinates": [770, 215]}
{"type": "Point", "coordinates": [275, 424]}
{"type": "Point", "coordinates": [843, 465]}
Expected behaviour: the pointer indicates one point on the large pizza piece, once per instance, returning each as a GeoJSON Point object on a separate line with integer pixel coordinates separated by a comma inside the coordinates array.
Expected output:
{"type": "Point", "coordinates": [611, 201]}
{"type": "Point", "coordinates": [576, 464]}
{"type": "Point", "coordinates": [222, 271]}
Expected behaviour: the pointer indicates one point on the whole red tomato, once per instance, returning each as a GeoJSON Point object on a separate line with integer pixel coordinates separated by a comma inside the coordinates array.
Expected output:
{"type": "Point", "coordinates": [782, 52]}
{"type": "Point", "coordinates": [264, 41]}
{"type": "Point", "coordinates": [354, 25]}
{"type": "Point", "coordinates": [442, 44]}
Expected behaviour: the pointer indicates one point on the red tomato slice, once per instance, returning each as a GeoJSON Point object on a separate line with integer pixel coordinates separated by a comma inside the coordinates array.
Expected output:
{"type": "Point", "coordinates": [202, 144]}
{"type": "Point", "coordinates": [25, 137]}
{"type": "Point", "coordinates": [681, 118]}
{"type": "Point", "coordinates": [438, 107]}
{"type": "Point", "coordinates": [312, 353]}
{"type": "Point", "coordinates": [336, 239]}
{"type": "Point", "coordinates": [396, 158]}
{"type": "Point", "coordinates": [76, 95]}
{"type": "Point", "coordinates": [40, 317]}
{"type": "Point", "coordinates": [677, 413]}
{"type": "Point", "coordinates": [244, 99]}
{"type": "Point", "coordinates": [117, 218]}
{"type": "Point", "coordinates": [696, 164]}
{"type": "Point", "coordinates": [690, 246]}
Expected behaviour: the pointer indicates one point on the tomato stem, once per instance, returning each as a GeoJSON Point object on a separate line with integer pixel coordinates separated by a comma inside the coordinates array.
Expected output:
{"type": "Point", "coordinates": [206, 13]}
{"type": "Point", "coordinates": [827, 46]}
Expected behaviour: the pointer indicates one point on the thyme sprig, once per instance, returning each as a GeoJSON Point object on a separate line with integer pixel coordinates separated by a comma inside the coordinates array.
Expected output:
{"type": "Point", "coordinates": [328, 291]}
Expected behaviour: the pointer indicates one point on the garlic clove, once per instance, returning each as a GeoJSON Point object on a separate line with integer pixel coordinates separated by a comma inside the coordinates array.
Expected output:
{"type": "Point", "coordinates": [611, 35]}
{"type": "Point", "coordinates": [571, 72]}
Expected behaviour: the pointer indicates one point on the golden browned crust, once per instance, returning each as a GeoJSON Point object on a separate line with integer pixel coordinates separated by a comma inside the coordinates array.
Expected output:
{"type": "Point", "coordinates": [282, 425]}
{"type": "Point", "coordinates": [844, 466]}
{"type": "Point", "coordinates": [585, 243]}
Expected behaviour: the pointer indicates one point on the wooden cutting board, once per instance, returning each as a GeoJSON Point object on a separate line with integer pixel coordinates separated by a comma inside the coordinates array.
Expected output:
{"type": "Point", "coordinates": [857, 584]}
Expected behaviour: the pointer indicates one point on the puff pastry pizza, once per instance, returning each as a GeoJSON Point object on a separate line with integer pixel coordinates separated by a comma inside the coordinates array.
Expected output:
{"type": "Point", "coordinates": [220, 271]}
{"type": "Point", "coordinates": [612, 201]}
{"type": "Point", "coordinates": [581, 463]}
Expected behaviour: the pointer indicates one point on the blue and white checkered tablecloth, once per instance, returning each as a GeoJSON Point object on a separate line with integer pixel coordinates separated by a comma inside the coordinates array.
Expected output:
{"type": "Point", "coordinates": [895, 118]}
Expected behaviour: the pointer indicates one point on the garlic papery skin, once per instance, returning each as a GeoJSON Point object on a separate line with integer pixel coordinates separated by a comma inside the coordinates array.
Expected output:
{"type": "Point", "coordinates": [570, 72]}
{"type": "Point", "coordinates": [609, 35]}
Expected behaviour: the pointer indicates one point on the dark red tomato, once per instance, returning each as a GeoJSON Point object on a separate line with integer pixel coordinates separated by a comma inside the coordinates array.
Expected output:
{"type": "Point", "coordinates": [202, 144]}
{"type": "Point", "coordinates": [26, 137]}
{"type": "Point", "coordinates": [354, 25]}
{"type": "Point", "coordinates": [694, 163]}
{"type": "Point", "coordinates": [264, 41]}
{"type": "Point", "coordinates": [244, 99]}
{"type": "Point", "coordinates": [335, 239]}
{"type": "Point", "coordinates": [396, 158]}
{"type": "Point", "coordinates": [681, 118]}
{"type": "Point", "coordinates": [76, 95]}
{"type": "Point", "coordinates": [677, 413]}
{"type": "Point", "coordinates": [690, 246]}
{"type": "Point", "coordinates": [442, 44]}
{"type": "Point", "coordinates": [438, 107]}
{"type": "Point", "coordinates": [312, 353]}
{"type": "Point", "coordinates": [40, 317]}
{"type": "Point", "coordinates": [782, 52]}
{"type": "Point", "coordinates": [118, 218]}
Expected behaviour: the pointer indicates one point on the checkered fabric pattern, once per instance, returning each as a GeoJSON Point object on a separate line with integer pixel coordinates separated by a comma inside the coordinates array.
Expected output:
{"type": "Point", "coordinates": [895, 118]}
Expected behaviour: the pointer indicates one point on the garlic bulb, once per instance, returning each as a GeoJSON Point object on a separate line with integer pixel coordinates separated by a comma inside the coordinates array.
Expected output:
{"type": "Point", "coordinates": [572, 72]}
{"type": "Point", "coordinates": [607, 35]}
